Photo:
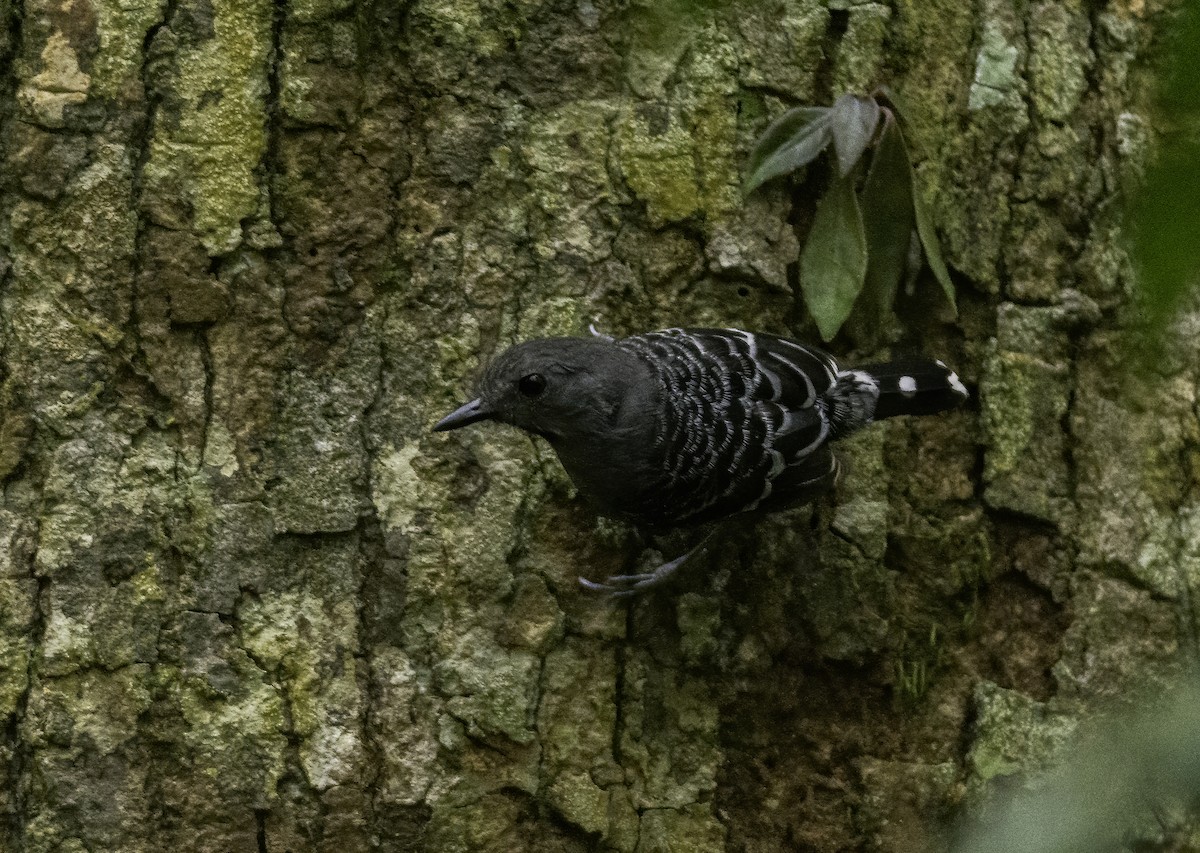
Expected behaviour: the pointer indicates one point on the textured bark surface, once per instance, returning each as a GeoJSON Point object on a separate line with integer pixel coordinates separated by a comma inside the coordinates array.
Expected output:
{"type": "Point", "coordinates": [251, 250]}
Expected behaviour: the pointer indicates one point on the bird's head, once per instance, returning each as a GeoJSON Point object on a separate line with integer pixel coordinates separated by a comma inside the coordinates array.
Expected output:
{"type": "Point", "coordinates": [558, 388]}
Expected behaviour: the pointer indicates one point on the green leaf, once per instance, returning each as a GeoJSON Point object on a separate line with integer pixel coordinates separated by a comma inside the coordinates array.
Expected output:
{"type": "Point", "coordinates": [933, 252]}
{"type": "Point", "coordinates": [792, 140]}
{"type": "Point", "coordinates": [898, 104]}
{"type": "Point", "coordinates": [853, 122]}
{"type": "Point", "coordinates": [929, 241]}
{"type": "Point", "coordinates": [887, 210]}
{"type": "Point", "coordinates": [834, 262]}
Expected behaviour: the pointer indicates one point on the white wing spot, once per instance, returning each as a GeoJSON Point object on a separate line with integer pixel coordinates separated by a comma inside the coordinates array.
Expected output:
{"type": "Point", "coordinates": [957, 385]}
{"type": "Point", "coordinates": [908, 386]}
{"type": "Point", "coordinates": [822, 434]}
{"type": "Point", "coordinates": [773, 378]}
{"type": "Point", "coordinates": [753, 342]}
{"type": "Point", "coordinates": [808, 386]}
{"type": "Point", "coordinates": [822, 358]}
{"type": "Point", "coordinates": [791, 422]}
{"type": "Point", "coordinates": [766, 492]}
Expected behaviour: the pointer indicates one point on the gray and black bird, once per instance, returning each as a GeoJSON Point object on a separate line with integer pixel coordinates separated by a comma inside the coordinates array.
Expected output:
{"type": "Point", "coordinates": [687, 426]}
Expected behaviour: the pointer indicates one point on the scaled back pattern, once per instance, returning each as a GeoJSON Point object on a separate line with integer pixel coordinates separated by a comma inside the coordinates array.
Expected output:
{"type": "Point", "coordinates": [684, 426]}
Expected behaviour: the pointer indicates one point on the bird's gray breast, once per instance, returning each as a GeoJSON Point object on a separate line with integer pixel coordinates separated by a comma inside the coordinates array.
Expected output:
{"type": "Point", "coordinates": [613, 460]}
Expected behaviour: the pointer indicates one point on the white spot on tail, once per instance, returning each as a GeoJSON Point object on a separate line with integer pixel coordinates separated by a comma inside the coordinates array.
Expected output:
{"type": "Point", "coordinates": [908, 386]}
{"type": "Point", "coordinates": [957, 385]}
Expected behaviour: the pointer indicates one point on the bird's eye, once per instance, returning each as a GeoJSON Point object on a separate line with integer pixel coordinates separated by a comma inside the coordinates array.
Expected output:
{"type": "Point", "coordinates": [531, 385]}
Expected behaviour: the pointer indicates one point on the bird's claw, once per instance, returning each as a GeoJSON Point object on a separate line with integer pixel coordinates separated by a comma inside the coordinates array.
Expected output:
{"type": "Point", "coordinates": [627, 586]}
{"type": "Point", "coordinates": [622, 586]}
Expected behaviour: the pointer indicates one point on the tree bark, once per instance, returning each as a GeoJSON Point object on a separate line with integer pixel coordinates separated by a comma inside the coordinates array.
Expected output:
{"type": "Point", "coordinates": [252, 250]}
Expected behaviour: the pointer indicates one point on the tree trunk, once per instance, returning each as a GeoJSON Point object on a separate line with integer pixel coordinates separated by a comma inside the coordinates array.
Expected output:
{"type": "Point", "coordinates": [252, 250]}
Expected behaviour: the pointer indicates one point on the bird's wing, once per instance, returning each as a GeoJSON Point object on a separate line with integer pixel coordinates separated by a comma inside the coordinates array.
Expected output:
{"type": "Point", "coordinates": [742, 427]}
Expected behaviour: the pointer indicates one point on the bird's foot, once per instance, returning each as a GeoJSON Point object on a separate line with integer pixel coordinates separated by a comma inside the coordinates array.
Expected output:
{"type": "Point", "coordinates": [627, 586]}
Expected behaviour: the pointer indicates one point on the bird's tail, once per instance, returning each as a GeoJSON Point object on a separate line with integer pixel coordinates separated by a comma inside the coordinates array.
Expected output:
{"type": "Point", "coordinates": [907, 386]}
{"type": "Point", "coordinates": [915, 386]}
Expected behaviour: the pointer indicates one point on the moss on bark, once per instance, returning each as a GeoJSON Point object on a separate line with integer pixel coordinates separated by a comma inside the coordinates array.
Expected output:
{"type": "Point", "coordinates": [251, 251]}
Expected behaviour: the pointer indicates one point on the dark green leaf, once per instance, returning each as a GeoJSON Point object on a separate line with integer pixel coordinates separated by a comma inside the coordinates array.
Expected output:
{"type": "Point", "coordinates": [887, 211]}
{"type": "Point", "coordinates": [834, 262]}
{"type": "Point", "coordinates": [793, 140]}
{"type": "Point", "coordinates": [853, 121]}
{"type": "Point", "coordinates": [933, 252]}
{"type": "Point", "coordinates": [899, 105]}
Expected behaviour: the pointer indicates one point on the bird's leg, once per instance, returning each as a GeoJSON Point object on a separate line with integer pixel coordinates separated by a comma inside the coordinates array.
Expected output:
{"type": "Point", "coordinates": [627, 586]}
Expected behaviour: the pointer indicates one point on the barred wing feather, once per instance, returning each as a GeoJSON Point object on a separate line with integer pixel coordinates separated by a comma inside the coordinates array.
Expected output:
{"type": "Point", "coordinates": [742, 427]}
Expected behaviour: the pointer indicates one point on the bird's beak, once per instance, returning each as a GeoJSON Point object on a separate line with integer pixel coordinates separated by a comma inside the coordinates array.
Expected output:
{"type": "Point", "coordinates": [467, 413]}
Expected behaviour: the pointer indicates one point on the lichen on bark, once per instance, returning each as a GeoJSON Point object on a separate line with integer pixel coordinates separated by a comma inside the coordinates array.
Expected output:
{"type": "Point", "coordinates": [251, 251]}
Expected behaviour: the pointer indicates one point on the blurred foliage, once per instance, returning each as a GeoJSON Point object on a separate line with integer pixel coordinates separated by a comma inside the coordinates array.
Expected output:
{"type": "Point", "coordinates": [1130, 781]}
{"type": "Point", "coordinates": [1165, 214]}
{"type": "Point", "coordinates": [859, 243]}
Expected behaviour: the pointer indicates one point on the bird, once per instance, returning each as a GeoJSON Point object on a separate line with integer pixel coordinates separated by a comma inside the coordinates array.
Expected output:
{"type": "Point", "coordinates": [685, 426]}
